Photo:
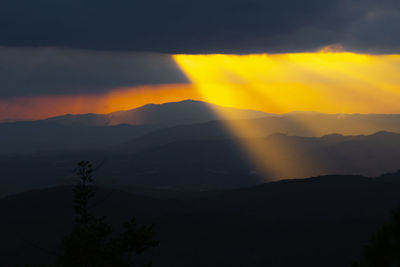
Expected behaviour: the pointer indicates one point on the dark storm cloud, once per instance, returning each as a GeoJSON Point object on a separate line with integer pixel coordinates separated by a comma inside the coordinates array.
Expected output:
{"type": "Point", "coordinates": [110, 30]}
{"type": "Point", "coordinates": [185, 26]}
{"type": "Point", "coordinates": [383, 27]}
{"type": "Point", "coordinates": [43, 71]}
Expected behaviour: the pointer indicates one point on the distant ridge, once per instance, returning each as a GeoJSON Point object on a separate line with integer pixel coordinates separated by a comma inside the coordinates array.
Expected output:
{"type": "Point", "coordinates": [184, 120]}
{"type": "Point", "coordinates": [187, 111]}
{"type": "Point", "coordinates": [166, 114]}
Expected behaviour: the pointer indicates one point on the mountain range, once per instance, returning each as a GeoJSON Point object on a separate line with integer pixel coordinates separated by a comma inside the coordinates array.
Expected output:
{"type": "Point", "coordinates": [186, 146]}
{"type": "Point", "coordinates": [186, 120]}
{"type": "Point", "coordinates": [88, 131]}
{"type": "Point", "coordinates": [187, 168]}
{"type": "Point", "coordinates": [198, 165]}
{"type": "Point", "coordinates": [164, 115]}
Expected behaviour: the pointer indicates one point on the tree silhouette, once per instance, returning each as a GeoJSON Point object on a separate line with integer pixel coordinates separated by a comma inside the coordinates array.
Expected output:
{"type": "Point", "coordinates": [383, 249]}
{"type": "Point", "coordinates": [91, 242]}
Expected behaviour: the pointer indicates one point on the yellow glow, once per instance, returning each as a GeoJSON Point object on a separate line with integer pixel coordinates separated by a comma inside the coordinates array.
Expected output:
{"type": "Point", "coordinates": [33, 108]}
{"type": "Point", "coordinates": [326, 82]}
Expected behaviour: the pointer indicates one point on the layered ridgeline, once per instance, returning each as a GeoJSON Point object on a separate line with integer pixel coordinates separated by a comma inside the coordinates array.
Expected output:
{"type": "Point", "coordinates": [102, 130]}
{"type": "Point", "coordinates": [186, 146]}
{"type": "Point", "coordinates": [197, 165]}
{"type": "Point", "coordinates": [190, 120]}
{"type": "Point", "coordinates": [322, 221]}
{"type": "Point", "coordinates": [186, 167]}
{"type": "Point", "coordinates": [162, 115]}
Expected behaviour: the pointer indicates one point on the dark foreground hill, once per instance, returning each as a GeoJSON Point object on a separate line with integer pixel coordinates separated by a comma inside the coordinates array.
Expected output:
{"type": "Point", "coordinates": [323, 221]}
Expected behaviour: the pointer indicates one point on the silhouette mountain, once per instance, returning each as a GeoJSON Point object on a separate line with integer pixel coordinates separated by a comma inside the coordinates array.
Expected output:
{"type": "Point", "coordinates": [186, 120]}
{"type": "Point", "coordinates": [164, 115]}
{"type": "Point", "coordinates": [393, 177]}
{"type": "Point", "coordinates": [88, 131]}
{"type": "Point", "coordinates": [308, 125]}
{"type": "Point", "coordinates": [320, 221]}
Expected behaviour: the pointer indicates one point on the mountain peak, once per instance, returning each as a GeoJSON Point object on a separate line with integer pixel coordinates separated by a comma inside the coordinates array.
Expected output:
{"type": "Point", "coordinates": [168, 114]}
{"type": "Point", "coordinates": [173, 103]}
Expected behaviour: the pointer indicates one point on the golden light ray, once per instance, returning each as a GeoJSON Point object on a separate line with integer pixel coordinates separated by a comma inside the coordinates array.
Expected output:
{"type": "Point", "coordinates": [324, 81]}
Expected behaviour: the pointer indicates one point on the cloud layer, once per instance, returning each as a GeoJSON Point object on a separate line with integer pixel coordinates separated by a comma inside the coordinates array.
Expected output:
{"type": "Point", "coordinates": [55, 71]}
{"type": "Point", "coordinates": [208, 26]}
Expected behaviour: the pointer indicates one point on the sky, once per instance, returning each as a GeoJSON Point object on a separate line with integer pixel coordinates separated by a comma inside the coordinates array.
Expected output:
{"type": "Point", "coordinates": [73, 56]}
{"type": "Point", "coordinates": [208, 26]}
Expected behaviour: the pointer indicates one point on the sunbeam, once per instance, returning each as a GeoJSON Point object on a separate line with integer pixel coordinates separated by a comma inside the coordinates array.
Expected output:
{"type": "Point", "coordinates": [323, 82]}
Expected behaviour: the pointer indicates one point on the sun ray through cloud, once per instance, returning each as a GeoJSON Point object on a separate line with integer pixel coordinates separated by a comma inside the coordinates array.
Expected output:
{"type": "Point", "coordinates": [325, 81]}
